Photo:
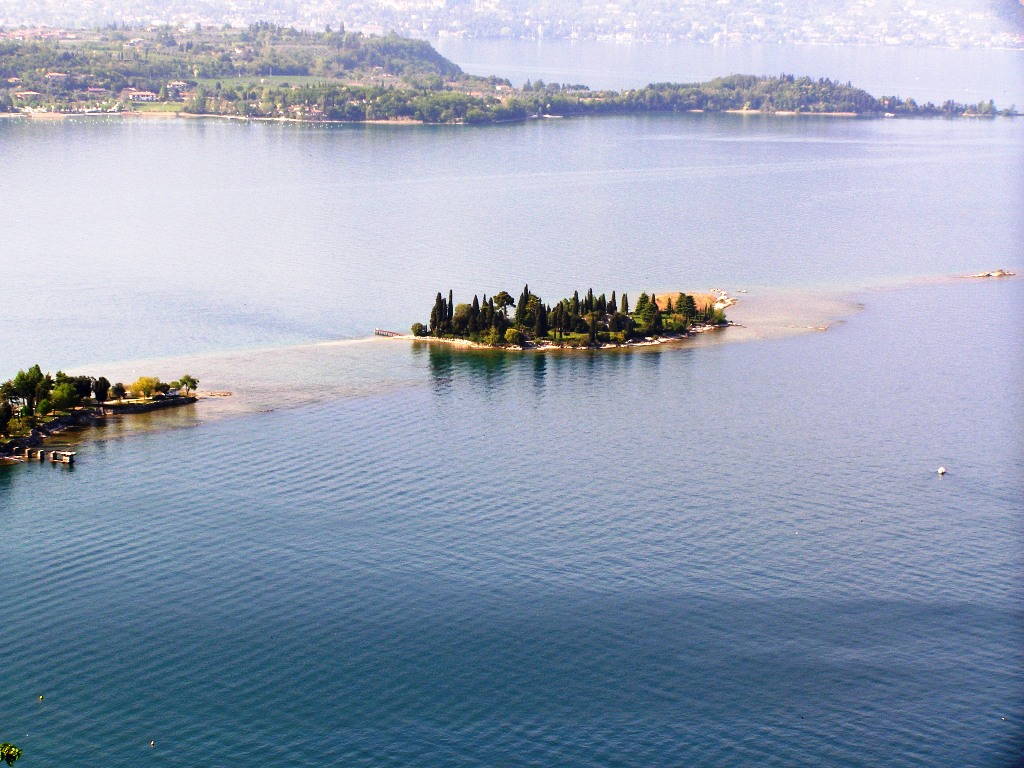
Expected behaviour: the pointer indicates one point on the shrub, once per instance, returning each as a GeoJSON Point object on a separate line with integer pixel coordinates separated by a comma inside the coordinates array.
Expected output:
{"type": "Point", "coordinates": [514, 336]}
{"type": "Point", "coordinates": [493, 337]}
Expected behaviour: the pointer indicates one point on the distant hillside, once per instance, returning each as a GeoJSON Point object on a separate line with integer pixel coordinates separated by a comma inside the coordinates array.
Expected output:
{"type": "Point", "coordinates": [118, 58]}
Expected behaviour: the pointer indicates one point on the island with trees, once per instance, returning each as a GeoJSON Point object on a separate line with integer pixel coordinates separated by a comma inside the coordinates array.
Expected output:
{"type": "Point", "coordinates": [35, 405]}
{"type": "Point", "coordinates": [265, 71]}
{"type": "Point", "coordinates": [584, 321]}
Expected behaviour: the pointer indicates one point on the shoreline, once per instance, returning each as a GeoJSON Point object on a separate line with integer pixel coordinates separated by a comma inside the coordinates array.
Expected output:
{"type": "Point", "coordinates": [407, 122]}
{"type": "Point", "coordinates": [82, 418]}
{"type": "Point", "coordinates": [554, 346]}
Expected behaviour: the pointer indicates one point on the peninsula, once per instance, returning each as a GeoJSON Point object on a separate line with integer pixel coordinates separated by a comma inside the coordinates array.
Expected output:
{"type": "Point", "coordinates": [269, 72]}
{"type": "Point", "coordinates": [36, 405]}
{"type": "Point", "coordinates": [587, 321]}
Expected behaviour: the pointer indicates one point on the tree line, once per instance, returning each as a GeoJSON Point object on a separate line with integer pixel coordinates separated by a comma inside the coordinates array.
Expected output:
{"type": "Point", "coordinates": [334, 101]}
{"type": "Point", "coordinates": [587, 320]}
{"type": "Point", "coordinates": [32, 394]}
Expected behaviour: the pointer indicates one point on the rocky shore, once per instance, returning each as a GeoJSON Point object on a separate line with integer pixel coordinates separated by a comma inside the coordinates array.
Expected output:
{"type": "Point", "coordinates": [84, 417]}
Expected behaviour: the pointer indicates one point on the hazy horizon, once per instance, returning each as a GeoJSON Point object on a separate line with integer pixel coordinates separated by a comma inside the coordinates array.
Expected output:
{"type": "Point", "coordinates": [974, 23]}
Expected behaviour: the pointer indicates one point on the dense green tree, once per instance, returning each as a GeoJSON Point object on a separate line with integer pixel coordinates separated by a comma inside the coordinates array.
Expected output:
{"type": "Point", "coordinates": [689, 307]}
{"type": "Point", "coordinates": [118, 391]}
{"type": "Point", "coordinates": [502, 301]}
{"type": "Point", "coordinates": [438, 316]}
{"type": "Point", "coordinates": [461, 318]}
{"type": "Point", "coordinates": [101, 388]}
{"type": "Point", "coordinates": [540, 321]}
{"type": "Point", "coordinates": [6, 414]}
{"type": "Point", "coordinates": [64, 396]}
{"type": "Point", "coordinates": [83, 386]}
{"type": "Point", "coordinates": [474, 316]}
{"type": "Point", "coordinates": [28, 386]}
{"type": "Point", "coordinates": [521, 306]}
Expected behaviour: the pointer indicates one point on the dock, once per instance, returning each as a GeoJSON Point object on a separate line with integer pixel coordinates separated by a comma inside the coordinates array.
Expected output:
{"type": "Point", "coordinates": [382, 332]}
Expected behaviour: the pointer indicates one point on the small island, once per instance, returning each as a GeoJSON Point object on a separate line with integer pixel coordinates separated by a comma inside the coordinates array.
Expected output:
{"type": "Point", "coordinates": [589, 321]}
{"type": "Point", "coordinates": [35, 406]}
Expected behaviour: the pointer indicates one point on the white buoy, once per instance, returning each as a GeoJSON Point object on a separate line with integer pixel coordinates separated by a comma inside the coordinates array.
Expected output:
{"type": "Point", "coordinates": [941, 470]}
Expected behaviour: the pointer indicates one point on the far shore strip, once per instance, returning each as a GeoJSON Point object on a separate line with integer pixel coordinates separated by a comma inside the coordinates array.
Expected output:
{"type": "Point", "coordinates": [163, 113]}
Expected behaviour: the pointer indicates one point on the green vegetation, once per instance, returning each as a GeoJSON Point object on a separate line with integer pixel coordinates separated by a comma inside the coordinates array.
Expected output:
{"type": "Point", "coordinates": [268, 71]}
{"type": "Point", "coordinates": [576, 321]}
{"type": "Point", "coordinates": [9, 753]}
{"type": "Point", "coordinates": [31, 394]}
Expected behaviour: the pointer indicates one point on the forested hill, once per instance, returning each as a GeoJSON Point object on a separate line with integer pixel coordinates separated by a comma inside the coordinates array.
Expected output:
{"type": "Point", "coordinates": [146, 59]}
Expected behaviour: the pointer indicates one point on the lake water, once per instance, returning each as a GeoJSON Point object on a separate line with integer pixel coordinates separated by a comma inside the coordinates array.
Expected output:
{"type": "Point", "coordinates": [724, 554]}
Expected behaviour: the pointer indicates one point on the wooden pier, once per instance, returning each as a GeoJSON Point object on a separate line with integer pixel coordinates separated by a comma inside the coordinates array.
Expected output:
{"type": "Point", "coordinates": [382, 332]}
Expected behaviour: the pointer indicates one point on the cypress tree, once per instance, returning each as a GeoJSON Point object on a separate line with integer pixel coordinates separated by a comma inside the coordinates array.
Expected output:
{"type": "Point", "coordinates": [451, 306]}
{"type": "Point", "coordinates": [655, 325]}
{"type": "Point", "coordinates": [625, 304]}
{"type": "Point", "coordinates": [524, 299]}
{"type": "Point", "coordinates": [690, 308]}
{"type": "Point", "coordinates": [438, 315]}
{"type": "Point", "coordinates": [613, 305]}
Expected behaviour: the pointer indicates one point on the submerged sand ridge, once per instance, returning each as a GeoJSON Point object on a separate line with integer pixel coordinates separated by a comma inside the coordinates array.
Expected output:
{"type": "Point", "coordinates": [270, 379]}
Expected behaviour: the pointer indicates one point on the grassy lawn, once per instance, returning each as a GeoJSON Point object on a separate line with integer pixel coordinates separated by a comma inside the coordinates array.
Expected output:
{"type": "Point", "coordinates": [159, 106]}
